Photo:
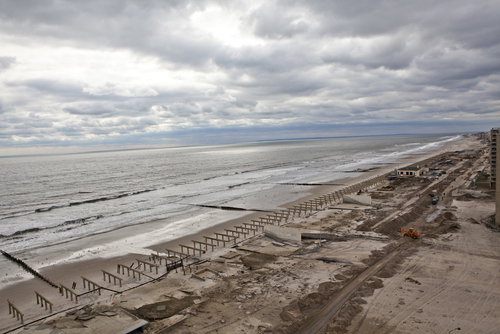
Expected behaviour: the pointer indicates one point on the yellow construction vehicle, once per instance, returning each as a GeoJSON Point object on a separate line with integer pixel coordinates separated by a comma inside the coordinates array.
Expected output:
{"type": "Point", "coordinates": [410, 233]}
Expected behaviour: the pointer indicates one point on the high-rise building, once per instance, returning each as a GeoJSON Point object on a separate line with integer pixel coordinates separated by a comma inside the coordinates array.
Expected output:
{"type": "Point", "coordinates": [494, 133]}
{"type": "Point", "coordinates": [493, 157]}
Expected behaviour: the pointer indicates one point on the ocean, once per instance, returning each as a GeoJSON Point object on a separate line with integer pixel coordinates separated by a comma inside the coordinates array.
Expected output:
{"type": "Point", "coordinates": [49, 199]}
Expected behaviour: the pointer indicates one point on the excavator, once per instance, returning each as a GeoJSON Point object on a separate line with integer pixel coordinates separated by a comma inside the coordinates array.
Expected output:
{"type": "Point", "coordinates": [410, 233]}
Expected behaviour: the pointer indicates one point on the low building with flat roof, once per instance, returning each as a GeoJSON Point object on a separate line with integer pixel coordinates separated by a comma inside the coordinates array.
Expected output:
{"type": "Point", "coordinates": [410, 171]}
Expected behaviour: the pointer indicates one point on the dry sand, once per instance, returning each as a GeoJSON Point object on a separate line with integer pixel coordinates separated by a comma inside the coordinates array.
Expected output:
{"type": "Point", "coordinates": [287, 285]}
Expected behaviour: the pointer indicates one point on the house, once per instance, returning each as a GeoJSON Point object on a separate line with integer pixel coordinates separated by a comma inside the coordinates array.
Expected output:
{"type": "Point", "coordinates": [410, 171]}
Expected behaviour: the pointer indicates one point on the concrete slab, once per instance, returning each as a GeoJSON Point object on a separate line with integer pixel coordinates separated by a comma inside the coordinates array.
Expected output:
{"type": "Point", "coordinates": [121, 323]}
{"type": "Point", "coordinates": [284, 232]}
{"type": "Point", "coordinates": [267, 247]}
{"type": "Point", "coordinates": [132, 327]}
{"type": "Point", "coordinates": [358, 199]}
{"type": "Point", "coordinates": [350, 206]}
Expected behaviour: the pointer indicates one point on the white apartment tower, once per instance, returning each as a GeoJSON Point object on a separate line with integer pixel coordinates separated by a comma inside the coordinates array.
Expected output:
{"type": "Point", "coordinates": [494, 133]}
{"type": "Point", "coordinates": [493, 157]}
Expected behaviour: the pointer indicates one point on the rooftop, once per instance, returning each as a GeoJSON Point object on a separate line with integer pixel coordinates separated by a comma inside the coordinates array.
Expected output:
{"type": "Point", "coordinates": [410, 168]}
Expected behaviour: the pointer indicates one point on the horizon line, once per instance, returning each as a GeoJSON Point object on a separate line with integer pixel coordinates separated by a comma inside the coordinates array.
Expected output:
{"type": "Point", "coordinates": [243, 142]}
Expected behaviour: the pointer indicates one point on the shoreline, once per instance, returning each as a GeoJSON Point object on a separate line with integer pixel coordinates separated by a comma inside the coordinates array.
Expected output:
{"type": "Point", "coordinates": [72, 270]}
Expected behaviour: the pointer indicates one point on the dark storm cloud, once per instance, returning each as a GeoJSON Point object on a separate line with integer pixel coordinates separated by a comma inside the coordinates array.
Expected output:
{"type": "Point", "coordinates": [52, 87]}
{"type": "Point", "coordinates": [161, 72]}
{"type": "Point", "coordinates": [6, 62]}
{"type": "Point", "coordinates": [91, 109]}
{"type": "Point", "coordinates": [4, 108]}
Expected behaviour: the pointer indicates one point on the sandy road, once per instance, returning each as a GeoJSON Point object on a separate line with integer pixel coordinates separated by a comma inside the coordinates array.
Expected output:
{"type": "Point", "coordinates": [318, 323]}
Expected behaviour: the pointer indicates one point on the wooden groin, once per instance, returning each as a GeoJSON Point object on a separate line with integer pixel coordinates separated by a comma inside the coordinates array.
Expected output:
{"type": "Point", "coordinates": [26, 267]}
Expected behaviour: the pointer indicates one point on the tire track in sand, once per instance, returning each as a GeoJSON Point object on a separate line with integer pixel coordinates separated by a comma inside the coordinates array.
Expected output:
{"type": "Point", "coordinates": [377, 305]}
{"type": "Point", "coordinates": [317, 323]}
{"type": "Point", "coordinates": [391, 324]}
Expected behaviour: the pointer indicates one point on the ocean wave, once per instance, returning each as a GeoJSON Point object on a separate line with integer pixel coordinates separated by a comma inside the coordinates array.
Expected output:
{"type": "Point", "coordinates": [81, 221]}
{"type": "Point", "coordinates": [237, 185]}
{"type": "Point", "coordinates": [410, 144]}
{"type": "Point", "coordinates": [109, 198]}
{"type": "Point", "coordinates": [16, 214]}
{"type": "Point", "coordinates": [64, 195]}
{"type": "Point", "coordinates": [406, 149]}
{"type": "Point", "coordinates": [50, 208]}
{"type": "Point", "coordinates": [29, 230]}
{"type": "Point", "coordinates": [78, 221]}
{"type": "Point", "coordinates": [90, 201]}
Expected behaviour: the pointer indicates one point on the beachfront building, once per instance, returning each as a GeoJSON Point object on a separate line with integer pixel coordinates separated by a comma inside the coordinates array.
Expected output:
{"type": "Point", "coordinates": [493, 157]}
{"type": "Point", "coordinates": [493, 172]}
{"type": "Point", "coordinates": [410, 171]}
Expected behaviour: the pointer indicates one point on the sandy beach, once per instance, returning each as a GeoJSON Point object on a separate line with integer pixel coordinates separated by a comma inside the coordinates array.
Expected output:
{"type": "Point", "coordinates": [22, 294]}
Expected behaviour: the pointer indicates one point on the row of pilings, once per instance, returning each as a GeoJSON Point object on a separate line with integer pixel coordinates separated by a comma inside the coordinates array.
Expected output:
{"type": "Point", "coordinates": [242, 232]}
{"type": "Point", "coordinates": [29, 269]}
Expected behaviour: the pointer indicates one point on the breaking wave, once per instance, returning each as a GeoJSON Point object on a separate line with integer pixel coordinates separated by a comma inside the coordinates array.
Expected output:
{"type": "Point", "coordinates": [90, 201]}
{"type": "Point", "coordinates": [79, 221]}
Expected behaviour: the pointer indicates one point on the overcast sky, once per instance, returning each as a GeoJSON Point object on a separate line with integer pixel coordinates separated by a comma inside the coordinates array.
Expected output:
{"type": "Point", "coordinates": [85, 75]}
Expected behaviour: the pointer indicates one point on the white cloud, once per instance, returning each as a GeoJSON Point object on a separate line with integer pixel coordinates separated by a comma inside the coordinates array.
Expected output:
{"type": "Point", "coordinates": [120, 90]}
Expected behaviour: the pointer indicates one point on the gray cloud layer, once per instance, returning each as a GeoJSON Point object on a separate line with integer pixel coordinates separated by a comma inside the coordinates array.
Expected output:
{"type": "Point", "coordinates": [122, 73]}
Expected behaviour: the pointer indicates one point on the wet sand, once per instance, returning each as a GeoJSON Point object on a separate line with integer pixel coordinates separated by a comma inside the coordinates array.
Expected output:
{"type": "Point", "coordinates": [66, 272]}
